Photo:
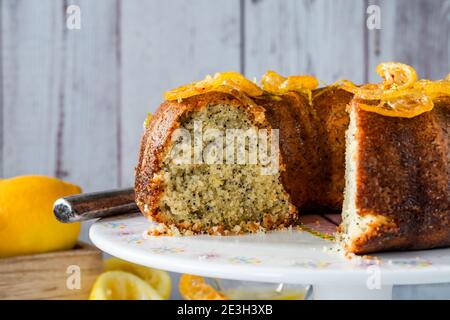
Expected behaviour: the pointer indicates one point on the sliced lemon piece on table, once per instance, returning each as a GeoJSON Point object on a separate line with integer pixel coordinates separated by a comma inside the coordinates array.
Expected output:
{"type": "Point", "coordinates": [195, 288]}
{"type": "Point", "coordinates": [120, 285]}
{"type": "Point", "coordinates": [158, 279]}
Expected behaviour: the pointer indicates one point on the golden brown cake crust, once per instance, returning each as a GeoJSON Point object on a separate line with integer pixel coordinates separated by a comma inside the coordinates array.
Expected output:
{"type": "Point", "coordinates": [404, 175]}
{"type": "Point", "coordinates": [330, 104]}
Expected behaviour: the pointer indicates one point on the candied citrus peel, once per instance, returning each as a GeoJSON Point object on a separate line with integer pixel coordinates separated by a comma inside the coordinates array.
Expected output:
{"type": "Point", "coordinates": [400, 94]}
{"type": "Point", "coordinates": [408, 106]}
{"type": "Point", "coordinates": [224, 81]}
{"type": "Point", "coordinates": [275, 83]}
{"type": "Point", "coordinates": [195, 288]}
{"type": "Point", "coordinates": [434, 89]}
{"type": "Point", "coordinates": [397, 77]}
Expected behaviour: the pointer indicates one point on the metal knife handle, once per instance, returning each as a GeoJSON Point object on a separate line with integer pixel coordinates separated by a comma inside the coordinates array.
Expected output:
{"type": "Point", "coordinates": [95, 205]}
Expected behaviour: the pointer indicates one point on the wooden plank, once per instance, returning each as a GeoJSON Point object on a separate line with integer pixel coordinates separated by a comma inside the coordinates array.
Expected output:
{"type": "Point", "coordinates": [1, 93]}
{"type": "Point", "coordinates": [60, 92]}
{"type": "Point", "coordinates": [87, 149]}
{"type": "Point", "coordinates": [166, 44]}
{"type": "Point", "coordinates": [323, 38]}
{"type": "Point", "coordinates": [45, 276]}
{"type": "Point", "coordinates": [88, 152]}
{"type": "Point", "coordinates": [60, 89]}
{"type": "Point", "coordinates": [31, 37]}
{"type": "Point", "coordinates": [415, 32]}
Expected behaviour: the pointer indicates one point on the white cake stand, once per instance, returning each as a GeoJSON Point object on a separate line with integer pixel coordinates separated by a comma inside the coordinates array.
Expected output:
{"type": "Point", "coordinates": [292, 256]}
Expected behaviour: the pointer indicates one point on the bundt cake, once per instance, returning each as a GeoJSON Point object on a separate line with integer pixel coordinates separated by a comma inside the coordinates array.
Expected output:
{"type": "Point", "coordinates": [397, 193]}
{"type": "Point", "coordinates": [224, 156]}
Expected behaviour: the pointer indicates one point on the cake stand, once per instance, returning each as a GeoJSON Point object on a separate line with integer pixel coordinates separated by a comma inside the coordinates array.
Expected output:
{"type": "Point", "coordinates": [292, 256]}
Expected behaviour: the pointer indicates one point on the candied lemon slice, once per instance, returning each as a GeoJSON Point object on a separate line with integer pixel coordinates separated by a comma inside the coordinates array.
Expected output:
{"type": "Point", "coordinates": [408, 106]}
{"type": "Point", "coordinates": [195, 288]}
{"type": "Point", "coordinates": [120, 285]}
{"type": "Point", "coordinates": [157, 279]}
{"type": "Point", "coordinates": [371, 91]}
{"type": "Point", "coordinates": [367, 91]}
{"type": "Point", "coordinates": [399, 95]}
{"type": "Point", "coordinates": [434, 89]}
{"type": "Point", "coordinates": [189, 90]}
{"type": "Point", "coordinates": [298, 83]}
{"type": "Point", "coordinates": [233, 80]}
{"type": "Point", "coordinates": [271, 81]}
{"type": "Point", "coordinates": [236, 81]}
{"type": "Point", "coordinates": [397, 77]}
{"type": "Point", "coordinates": [275, 83]}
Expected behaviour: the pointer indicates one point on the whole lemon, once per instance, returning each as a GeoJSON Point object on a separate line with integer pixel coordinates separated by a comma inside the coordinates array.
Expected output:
{"type": "Point", "coordinates": [27, 223]}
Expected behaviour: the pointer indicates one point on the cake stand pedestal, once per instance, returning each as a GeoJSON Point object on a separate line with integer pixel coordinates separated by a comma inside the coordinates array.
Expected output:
{"type": "Point", "coordinates": [291, 256]}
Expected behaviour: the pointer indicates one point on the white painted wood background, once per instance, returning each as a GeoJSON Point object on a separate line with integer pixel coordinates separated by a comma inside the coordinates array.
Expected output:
{"type": "Point", "coordinates": [73, 101]}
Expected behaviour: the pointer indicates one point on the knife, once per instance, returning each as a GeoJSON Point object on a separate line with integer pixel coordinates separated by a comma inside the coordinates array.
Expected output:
{"type": "Point", "coordinates": [88, 206]}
